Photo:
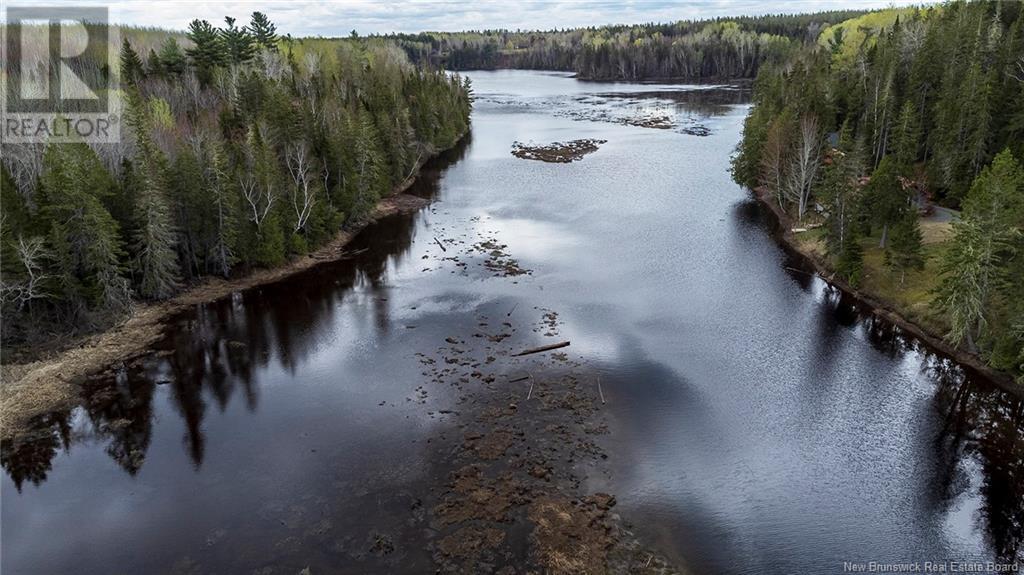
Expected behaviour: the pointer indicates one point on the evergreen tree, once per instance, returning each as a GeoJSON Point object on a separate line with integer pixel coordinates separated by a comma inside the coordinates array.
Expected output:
{"type": "Point", "coordinates": [263, 31]}
{"type": "Point", "coordinates": [82, 236]}
{"type": "Point", "coordinates": [982, 247]}
{"type": "Point", "coordinates": [203, 185]}
{"type": "Point", "coordinates": [907, 137]}
{"type": "Point", "coordinates": [171, 59]}
{"type": "Point", "coordinates": [850, 263]}
{"type": "Point", "coordinates": [886, 200]}
{"type": "Point", "coordinates": [222, 254]}
{"type": "Point", "coordinates": [839, 193]}
{"type": "Point", "coordinates": [131, 64]}
{"type": "Point", "coordinates": [208, 52]}
{"type": "Point", "coordinates": [964, 291]}
{"type": "Point", "coordinates": [905, 248]}
{"type": "Point", "coordinates": [155, 261]}
{"type": "Point", "coordinates": [238, 43]}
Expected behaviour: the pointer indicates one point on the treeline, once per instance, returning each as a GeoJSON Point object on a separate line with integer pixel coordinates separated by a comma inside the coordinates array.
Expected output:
{"type": "Point", "coordinates": [685, 50]}
{"type": "Point", "coordinates": [888, 113]}
{"type": "Point", "coordinates": [240, 149]}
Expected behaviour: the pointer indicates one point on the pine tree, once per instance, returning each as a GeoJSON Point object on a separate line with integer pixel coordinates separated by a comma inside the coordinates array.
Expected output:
{"type": "Point", "coordinates": [238, 43]}
{"type": "Point", "coordinates": [264, 32]}
{"type": "Point", "coordinates": [904, 251]}
{"type": "Point", "coordinates": [208, 52]}
{"type": "Point", "coordinates": [171, 58]}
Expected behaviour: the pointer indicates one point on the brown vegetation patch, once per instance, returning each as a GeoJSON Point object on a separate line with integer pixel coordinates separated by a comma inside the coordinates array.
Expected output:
{"type": "Point", "coordinates": [470, 543]}
{"type": "Point", "coordinates": [557, 152]}
{"type": "Point", "coordinates": [656, 122]}
{"type": "Point", "coordinates": [570, 537]}
{"type": "Point", "coordinates": [512, 502]}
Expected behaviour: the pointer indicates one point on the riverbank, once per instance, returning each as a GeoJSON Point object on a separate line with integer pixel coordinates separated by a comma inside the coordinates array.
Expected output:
{"type": "Point", "coordinates": [47, 384]}
{"type": "Point", "coordinates": [878, 304]}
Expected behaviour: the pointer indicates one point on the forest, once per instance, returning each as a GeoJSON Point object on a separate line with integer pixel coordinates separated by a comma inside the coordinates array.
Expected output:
{"type": "Point", "coordinates": [690, 50]}
{"type": "Point", "coordinates": [891, 123]}
{"type": "Point", "coordinates": [241, 148]}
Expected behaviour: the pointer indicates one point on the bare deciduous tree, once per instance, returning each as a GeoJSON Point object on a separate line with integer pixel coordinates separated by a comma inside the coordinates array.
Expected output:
{"type": "Point", "coordinates": [773, 162]}
{"type": "Point", "coordinates": [1016, 70]}
{"type": "Point", "coordinates": [259, 197]}
{"type": "Point", "coordinates": [805, 164]}
{"type": "Point", "coordinates": [303, 195]}
{"type": "Point", "coordinates": [30, 254]}
{"type": "Point", "coordinates": [25, 162]}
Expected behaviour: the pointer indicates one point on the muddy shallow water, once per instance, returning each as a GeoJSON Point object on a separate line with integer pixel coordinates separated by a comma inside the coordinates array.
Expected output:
{"type": "Point", "coordinates": [758, 423]}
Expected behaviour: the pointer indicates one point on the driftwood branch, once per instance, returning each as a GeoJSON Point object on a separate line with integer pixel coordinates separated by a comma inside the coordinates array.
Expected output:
{"type": "Point", "coordinates": [439, 244]}
{"type": "Point", "coordinates": [541, 348]}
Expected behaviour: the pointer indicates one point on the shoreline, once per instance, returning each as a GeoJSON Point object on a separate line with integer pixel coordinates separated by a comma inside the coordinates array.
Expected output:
{"type": "Point", "coordinates": [49, 383]}
{"type": "Point", "coordinates": [877, 306]}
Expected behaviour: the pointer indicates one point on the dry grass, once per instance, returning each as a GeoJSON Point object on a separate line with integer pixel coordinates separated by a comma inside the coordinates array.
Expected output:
{"type": "Point", "coordinates": [914, 297]}
{"type": "Point", "coordinates": [936, 232]}
{"type": "Point", "coordinates": [568, 539]}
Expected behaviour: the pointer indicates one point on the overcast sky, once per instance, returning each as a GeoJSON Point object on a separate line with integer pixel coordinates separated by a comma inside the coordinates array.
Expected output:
{"type": "Point", "coordinates": [339, 17]}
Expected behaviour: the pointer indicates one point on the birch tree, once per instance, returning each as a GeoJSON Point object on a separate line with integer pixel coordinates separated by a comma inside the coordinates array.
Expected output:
{"type": "Point", "coordinates": [303, 193]}
{"type": "Point", "coordinates": [804, 170]}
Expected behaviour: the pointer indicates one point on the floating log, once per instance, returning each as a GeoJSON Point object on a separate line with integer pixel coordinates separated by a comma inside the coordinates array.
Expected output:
{"type": "Point", "coordinates": [541, 348]}
{"type": "Point", "coordinates": [792, 269]}
{"type": "Point", "coordinates": [439, 244]}
{"type": "Point", "coordinates": [521, 378]}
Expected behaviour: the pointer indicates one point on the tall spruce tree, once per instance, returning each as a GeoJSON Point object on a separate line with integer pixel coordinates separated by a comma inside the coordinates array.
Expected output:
{"type": "Point", "coordinates": [154, 257]}
{"type": "Point", "coordinates": [131, 65]}
{"type": "Point", "coordinates": [886, 200]}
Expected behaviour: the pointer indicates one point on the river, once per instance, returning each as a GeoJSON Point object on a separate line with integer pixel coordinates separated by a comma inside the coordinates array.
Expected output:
{"type": "Point", "coordinates": [759, 423]}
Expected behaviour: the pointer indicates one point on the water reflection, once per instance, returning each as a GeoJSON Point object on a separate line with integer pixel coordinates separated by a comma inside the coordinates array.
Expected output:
{"type": "Point", "coordinates": [770, 433]}
{"type": "Point", "coordinates": [212, 353]}
{"type": "Point", "coordinates": [31, 457]}
{"type": "Point", "coordinates": [985, 427]}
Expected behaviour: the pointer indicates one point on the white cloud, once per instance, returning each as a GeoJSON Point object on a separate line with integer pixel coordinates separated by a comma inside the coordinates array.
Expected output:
{"type": "Point", "coordinates": [339, 17]}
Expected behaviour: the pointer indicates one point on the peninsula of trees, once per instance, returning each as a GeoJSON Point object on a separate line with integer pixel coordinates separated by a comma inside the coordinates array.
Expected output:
{"type": "Point", "coordinates": [241, 149]}
{"type": "Point", "coordinates": [873, 139]}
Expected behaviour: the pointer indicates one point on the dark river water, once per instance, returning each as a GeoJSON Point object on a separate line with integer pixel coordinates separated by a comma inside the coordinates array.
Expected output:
{"type": "Point", "coordinates": [760, 423]}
